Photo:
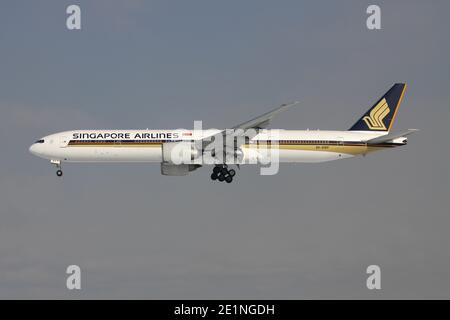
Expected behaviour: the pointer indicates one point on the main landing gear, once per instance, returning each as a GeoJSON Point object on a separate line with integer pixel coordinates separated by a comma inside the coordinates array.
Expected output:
{"type": "Point", "coordinates": [57, 163]}
{"type": "Point", "coordinates": [221, 173]}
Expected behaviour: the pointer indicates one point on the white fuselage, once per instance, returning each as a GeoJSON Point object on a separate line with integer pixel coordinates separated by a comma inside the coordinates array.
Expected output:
{"type": "Point", "coordinates": [146, 145]}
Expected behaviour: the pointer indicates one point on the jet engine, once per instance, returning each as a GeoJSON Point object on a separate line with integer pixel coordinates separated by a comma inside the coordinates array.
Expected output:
{"type": "Point", "coordinates": [177, 153]}
{"type": "Point", "coordinates": [177, 169]}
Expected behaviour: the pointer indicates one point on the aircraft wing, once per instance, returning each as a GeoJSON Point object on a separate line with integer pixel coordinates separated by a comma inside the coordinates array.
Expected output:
{"type": "Point", "coordinates": [263, 120]}
{"type": "Point", "coordinates": [391, 136]}
{"type": "Point", "coordinates": [259, 122]}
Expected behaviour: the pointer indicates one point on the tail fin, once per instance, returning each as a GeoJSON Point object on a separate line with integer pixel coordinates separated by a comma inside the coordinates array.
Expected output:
{"type": "Point", "coordinates": [382, 114]}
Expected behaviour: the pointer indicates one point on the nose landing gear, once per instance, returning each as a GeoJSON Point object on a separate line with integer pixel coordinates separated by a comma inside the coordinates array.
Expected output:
{"type": "Point", "coordinates": [221, 173]}
{"type": "Point", "coordinates": [57, 163]}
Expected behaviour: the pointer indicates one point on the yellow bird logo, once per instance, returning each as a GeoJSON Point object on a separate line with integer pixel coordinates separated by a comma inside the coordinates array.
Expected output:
{"type": "Point", "coordinates": [375, 119]}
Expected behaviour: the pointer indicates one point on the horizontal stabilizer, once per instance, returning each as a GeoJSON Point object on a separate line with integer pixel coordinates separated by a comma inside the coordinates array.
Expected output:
{"type": "Point", "coordinates": [391, 136]}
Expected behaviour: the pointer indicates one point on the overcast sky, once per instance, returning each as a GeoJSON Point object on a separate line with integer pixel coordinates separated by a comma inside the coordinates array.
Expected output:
{"type": "Point", "coordinates": [308, 232]}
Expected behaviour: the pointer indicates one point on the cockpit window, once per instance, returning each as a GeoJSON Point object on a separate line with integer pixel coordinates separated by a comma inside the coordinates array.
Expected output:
{"type": "Point", "coordinates": [40, 141]}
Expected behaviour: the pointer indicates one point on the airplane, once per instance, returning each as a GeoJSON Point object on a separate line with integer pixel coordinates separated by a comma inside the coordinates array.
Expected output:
{"type": "Point", "coordinates": [181, 151]}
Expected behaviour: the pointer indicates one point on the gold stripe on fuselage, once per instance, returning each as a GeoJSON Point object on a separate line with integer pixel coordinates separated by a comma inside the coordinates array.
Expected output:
{"type": "Point", "coordinates": [353, 149]}
{"type": "Point", "coordinates": [347, 149]}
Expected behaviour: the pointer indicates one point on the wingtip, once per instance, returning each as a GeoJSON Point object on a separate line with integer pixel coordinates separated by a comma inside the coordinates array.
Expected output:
{"type": "Point", "coordinates": [290, 104]}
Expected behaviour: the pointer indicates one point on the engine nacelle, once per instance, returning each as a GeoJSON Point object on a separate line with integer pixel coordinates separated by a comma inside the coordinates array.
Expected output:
{"type": "Point", "coordinates": [179, 152]}
{"type": "Point", "coordinates": [177, 169]}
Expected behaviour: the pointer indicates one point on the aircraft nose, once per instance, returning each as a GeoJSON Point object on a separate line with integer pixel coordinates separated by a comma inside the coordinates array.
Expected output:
{"type": "Point", "coordinates": [32, 149]}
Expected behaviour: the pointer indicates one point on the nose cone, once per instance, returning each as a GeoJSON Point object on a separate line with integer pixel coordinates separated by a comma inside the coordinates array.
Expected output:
{"type": "Point", "coordinates": [32, 149]}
